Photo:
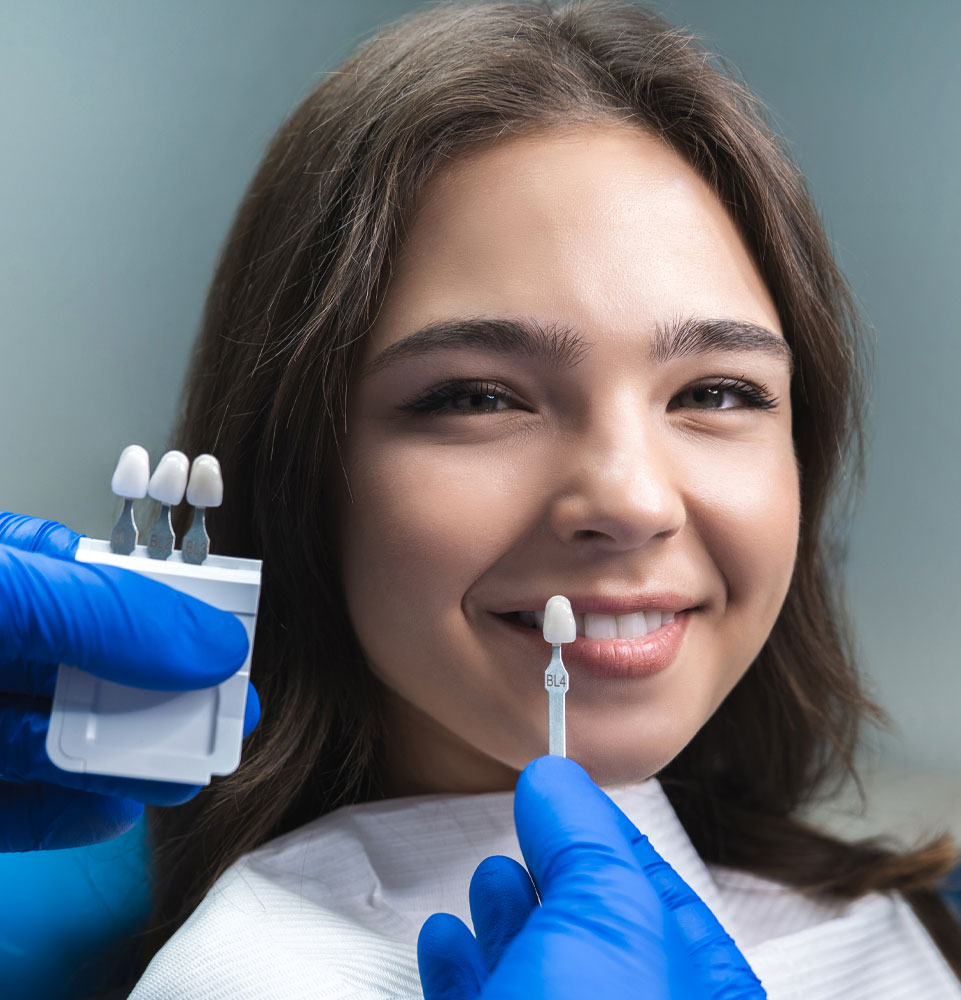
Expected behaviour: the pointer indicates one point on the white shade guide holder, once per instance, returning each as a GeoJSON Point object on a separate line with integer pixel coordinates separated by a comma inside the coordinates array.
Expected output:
{"type": "Point", "coordinates": [100, 727]}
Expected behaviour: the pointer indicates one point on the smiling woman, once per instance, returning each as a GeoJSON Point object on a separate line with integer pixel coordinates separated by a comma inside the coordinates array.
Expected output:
{"type": "Point", "coordinates": [528, 301]}
{"type": "Point", "coordinates": [605, 476]}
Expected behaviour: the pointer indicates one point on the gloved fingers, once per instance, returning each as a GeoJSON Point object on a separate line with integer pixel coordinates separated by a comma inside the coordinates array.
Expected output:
{"type": "Point", "coordinates": [28, 678]}
{"type": "Point", "coordinates": [114, 623]}
{"type": "Point", "coordinates": [251, 710]}
{"type": "Point", "coordinates": [449, 959]}
{"type": "Point", "coordinates": [502, 897]}
{"type": "Point", "coordinates": [45, 817]}
{"type": "Point", "coordinates": [23, 758]}
{"type": "Point", "coordinates": [34, 534]}
{"type": "Point", "coordinates": [576, 849]}
{"type": "Point", "coordinates": [717, 959]}
{"type": "Point", "coordinates": [676, 894]}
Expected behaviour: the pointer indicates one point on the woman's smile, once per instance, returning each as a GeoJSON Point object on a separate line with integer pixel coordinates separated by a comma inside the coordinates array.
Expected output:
{"type": "Point", "coordinates": [578, 385]}
{"type": "Point", "coordinates": [627, 653]}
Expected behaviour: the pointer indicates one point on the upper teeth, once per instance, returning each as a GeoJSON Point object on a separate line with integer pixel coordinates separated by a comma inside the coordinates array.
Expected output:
{"type": "Point", "coordinates": [593, 626]}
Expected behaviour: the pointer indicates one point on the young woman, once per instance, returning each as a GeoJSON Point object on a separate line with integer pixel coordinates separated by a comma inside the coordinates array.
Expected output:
{"type": "Point", "coordinates": [528, 300]}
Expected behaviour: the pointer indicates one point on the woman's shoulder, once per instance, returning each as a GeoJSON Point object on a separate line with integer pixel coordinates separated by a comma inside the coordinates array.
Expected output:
{"type": "Point", "coordinates": [269, 931]}
{"type": "Point", "coordinates": [801, 944]}
{"type": "Point", "coordinates": [333, 909]}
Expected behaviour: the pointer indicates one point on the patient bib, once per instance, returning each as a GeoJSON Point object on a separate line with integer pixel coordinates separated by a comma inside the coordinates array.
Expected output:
{"type": "Point", "coordinates": [332, 911]}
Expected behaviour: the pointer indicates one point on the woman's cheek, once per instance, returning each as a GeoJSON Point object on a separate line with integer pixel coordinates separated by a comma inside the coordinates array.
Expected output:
{"type": "Point", "coordinates": [746, 509]}
{"type": "Point", "coordinates": [426, 520]}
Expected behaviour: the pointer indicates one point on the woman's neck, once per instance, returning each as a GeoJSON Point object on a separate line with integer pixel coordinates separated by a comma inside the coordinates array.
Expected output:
{"type": "Point", "coordinates": [437, 761]}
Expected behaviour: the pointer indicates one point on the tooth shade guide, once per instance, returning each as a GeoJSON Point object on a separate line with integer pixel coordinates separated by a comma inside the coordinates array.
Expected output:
{"type": "Point", "coordinates": [195, 545]}
{"type": "Point", "coordinates": [160, 541]}
{"type": "Point", "coordinates": [123, 537]}
{"type": "Point", "coordinates": [167, 485]}
{"type": "Point", "coordinates": [132, 474]}
{"type": "Point", "coordinates": [559, 625]}
{"type": "Point", "coordinates": [206, 485]}
{"type": "Point", "coordinates": [204, 489]}
{"type": "Point", "coordinates": [129, 481]}
{"type": "Point", "coordinates": [558, 628]}
{"type": "Point", "coordinates": [169, 480]}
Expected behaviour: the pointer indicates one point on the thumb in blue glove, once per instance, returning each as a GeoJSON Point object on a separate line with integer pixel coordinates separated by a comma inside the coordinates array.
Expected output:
{"type": "Point", "coordinates": [614, 919]}
{"type": "Point", "coordinates": [115, 624]}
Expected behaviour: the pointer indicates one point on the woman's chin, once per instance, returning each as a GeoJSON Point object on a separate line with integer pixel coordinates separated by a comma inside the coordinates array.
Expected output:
{"type": "Point", "coordinates": [612, 766]}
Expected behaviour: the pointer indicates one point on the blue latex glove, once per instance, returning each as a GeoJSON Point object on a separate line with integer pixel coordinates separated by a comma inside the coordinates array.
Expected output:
{"type": "Point", "coordinates": [615, 920]}
{"type": "Point", "coordinates": [112, 623]}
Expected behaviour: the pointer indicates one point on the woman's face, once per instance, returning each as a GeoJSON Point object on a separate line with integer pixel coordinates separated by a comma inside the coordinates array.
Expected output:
{"type": "Point", "coordinates": [621, 459]}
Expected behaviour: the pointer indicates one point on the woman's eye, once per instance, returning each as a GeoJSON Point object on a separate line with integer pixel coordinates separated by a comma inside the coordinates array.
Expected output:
{"type": "Point", "coordinates": [475, 402]}
{"type": "Point", "coordinates": [476, 397]}
{"type": "Point", "coordinates": [463, 397]}
{"type": "Point", "coordinates": [707, 397]}
{"type": "Point", "coordinates": [727, 394]}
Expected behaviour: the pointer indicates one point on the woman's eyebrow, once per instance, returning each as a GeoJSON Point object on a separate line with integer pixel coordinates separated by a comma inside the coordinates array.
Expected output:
{"type": "Point", "coordinates": [686, 337]}
{"type": "Point", "coordinates": [558, 347]}
{"type": "Point", "coordinates": [562, 347]}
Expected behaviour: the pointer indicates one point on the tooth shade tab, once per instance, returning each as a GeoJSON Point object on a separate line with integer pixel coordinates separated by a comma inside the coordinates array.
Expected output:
{"type": "Point", "coordinates": [559, 624]}
{"type": "Point", "coordinates": [132, 474]}
{"type": "Point", "coordinates": [169, 480]}
{"type": "Point", "coordinates": [206, 485]}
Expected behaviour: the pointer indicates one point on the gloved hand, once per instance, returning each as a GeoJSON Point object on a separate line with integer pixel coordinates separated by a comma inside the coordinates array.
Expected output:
{"type": "Point", "coordinates": [615, 920]}
{"type": "Point", "coordinates": [112, 623]}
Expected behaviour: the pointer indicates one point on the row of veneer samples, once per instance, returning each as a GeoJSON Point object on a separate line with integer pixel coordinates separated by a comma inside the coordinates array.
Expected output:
{"type": "Point", "coordinates": [175, 474]}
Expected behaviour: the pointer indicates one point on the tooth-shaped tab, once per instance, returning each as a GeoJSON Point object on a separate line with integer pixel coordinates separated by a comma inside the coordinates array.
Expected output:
{"type": "Point", "coordinates": [559, 624]}
{"type": "Point", "coordinates": [132, 473]}
{"type": "Point", "coordinates": [169, 480]}
{"type": "Point", "coordinates": [206, 485]}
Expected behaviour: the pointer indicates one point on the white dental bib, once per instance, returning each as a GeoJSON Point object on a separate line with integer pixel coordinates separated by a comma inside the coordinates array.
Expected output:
{"type": "Point", "coordinates": [332, 911]}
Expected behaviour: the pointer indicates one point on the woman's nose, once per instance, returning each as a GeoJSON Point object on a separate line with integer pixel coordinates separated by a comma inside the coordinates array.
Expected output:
{"type": "Point", "coordinates": [617, 486]}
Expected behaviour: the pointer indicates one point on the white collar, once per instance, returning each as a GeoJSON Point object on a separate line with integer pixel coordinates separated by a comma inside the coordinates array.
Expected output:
{"type": "Point", "coordinates": [333, 910]}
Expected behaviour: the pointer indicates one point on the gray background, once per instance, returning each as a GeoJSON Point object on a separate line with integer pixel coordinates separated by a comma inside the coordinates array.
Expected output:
{"type": "Point", "coordinates": [129, 131]}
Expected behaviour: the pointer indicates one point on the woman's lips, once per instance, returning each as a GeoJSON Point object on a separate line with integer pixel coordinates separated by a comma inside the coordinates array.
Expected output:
{"type": "Point", "coordinates": [623, 658]}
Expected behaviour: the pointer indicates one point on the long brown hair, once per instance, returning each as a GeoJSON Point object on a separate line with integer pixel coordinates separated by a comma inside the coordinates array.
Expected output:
{"type": "Point", "coordinates": [298, 284]}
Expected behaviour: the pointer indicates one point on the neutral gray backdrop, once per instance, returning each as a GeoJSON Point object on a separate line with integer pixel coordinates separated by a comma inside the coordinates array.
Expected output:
{"type": "Point", "coordinates": [128, 132]}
